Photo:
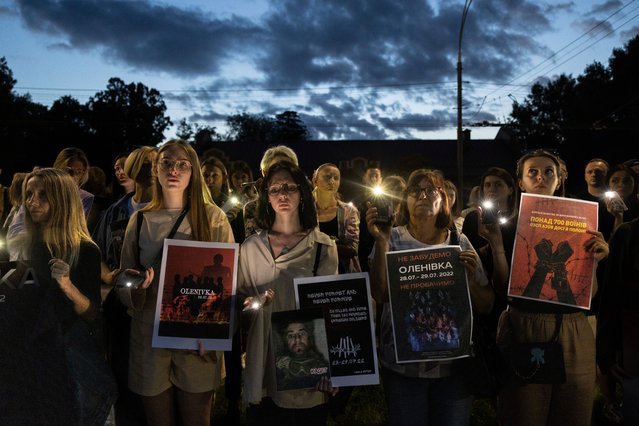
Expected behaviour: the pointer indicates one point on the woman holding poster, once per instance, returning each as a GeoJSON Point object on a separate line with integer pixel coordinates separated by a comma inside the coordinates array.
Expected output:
{"type": "Point", "coordinates": [422, 393]}
{"type": "Point", "coordinates": [289, 245]}
{"type": "Point", "coordinates": [167, 378]}
{"type": "Point", "coordinates": [528, 320]}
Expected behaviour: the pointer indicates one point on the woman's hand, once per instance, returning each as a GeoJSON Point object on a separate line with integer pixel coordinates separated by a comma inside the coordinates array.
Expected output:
{"type": "Point", "coordinates": [148, 277]}
{"type": "Point", "coordinates": [60, 271]}
{"type": "Point", "coordinates": [254, 303]}
{"type": "Point", "coordinates": [471, 262]}
{"type": "Point", "coordinates": [597, 245]}
{"type": "Point", "coordinates": [324, 385]}
{"type": "Point", "coordinates": [377, 231]}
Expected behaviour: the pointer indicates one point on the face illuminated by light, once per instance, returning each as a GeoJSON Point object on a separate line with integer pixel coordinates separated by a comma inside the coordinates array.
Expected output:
{"type": "Point", "coordinates": [595, 173]}
{"type": "Point", "coordinates": [372, 177]}
{"type": "Point", "coordinates": [424, 200]}
{"type": "Point", "coordinates": [622, 183]}
{"type": "Point", "coordinates": [174, 169]}
{"type": "Point", "coordinates": [37, 201]}
{"type": "Point", "coordinates": [540, 176]}
{"type": "Point", "coordinates": [495, 188]}
{"type": "Point", "coordinates": [283, 202]}
{"type": "Point", "coordinates": [214, 178]}
{"type": "Point", "coordinates": [327, 179]}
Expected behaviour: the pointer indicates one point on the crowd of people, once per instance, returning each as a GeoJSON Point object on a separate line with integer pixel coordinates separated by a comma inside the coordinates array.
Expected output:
{"type": "Point", "coordinates": [78, 350]}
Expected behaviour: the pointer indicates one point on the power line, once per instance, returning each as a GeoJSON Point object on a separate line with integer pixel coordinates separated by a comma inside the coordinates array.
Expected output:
{"type": "Point", "coordinates": [593, 28]}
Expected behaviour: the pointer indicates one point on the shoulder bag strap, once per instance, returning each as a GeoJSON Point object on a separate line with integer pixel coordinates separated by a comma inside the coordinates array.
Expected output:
{"type": "Point", "coordinates": [317, 258]}
{"type": "Point", "coordinates": [171, 234]}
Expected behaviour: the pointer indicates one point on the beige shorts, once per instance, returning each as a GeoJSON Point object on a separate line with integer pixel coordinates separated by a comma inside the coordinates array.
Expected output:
{"type": "Point", "coordinates": [153, 370]}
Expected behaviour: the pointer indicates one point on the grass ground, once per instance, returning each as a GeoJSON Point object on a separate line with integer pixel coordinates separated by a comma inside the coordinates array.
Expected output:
{"type": "Point", "coordinates": [368, 408]}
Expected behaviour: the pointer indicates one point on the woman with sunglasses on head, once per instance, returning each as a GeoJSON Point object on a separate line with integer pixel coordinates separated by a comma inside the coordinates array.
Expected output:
{"type": "Point", "coordinates": [539, 172]}
{"type": "Point", "coordinates": [56, 246]}
{"type": "Point", "coordinates": [289, 245]}
{"type": "Point", "coordinates": [169, 378]}
{"type": "Point", "coordinates": [423, 393]}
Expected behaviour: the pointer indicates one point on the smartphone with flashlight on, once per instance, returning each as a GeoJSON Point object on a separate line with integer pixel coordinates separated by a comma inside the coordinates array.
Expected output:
{"type": "Point", "coordinates": [615, 201]}
{"type": "Point", "coordinates": [384, 206]}
{"type": "Point", "coordinates": [488, 212]}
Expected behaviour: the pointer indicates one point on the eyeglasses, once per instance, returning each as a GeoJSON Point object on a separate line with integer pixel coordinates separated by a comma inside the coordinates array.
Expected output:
{"type": "Point", "coordinates": [430, 191]}
{"type": "Point", "coordinates": [283, 188]}
{"type": "Point", "coordinates": [179, 165]}
{"type": "Point", "coordinates": [297, 336]}
{"type": "Point", "coordinates": [75, 172]}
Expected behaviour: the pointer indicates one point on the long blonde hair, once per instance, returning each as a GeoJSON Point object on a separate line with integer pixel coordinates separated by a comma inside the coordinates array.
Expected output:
{"type": "Point", "coordinates": [199, 197]}
{"type": "Point", "coordinates": [66, 227]}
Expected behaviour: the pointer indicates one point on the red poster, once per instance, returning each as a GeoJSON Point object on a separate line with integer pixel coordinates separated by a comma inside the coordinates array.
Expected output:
{"type": "Point", "coordinates": [549, 261]}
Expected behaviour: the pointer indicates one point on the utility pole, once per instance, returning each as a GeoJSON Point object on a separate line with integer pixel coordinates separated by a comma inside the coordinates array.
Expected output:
{"type": "Point", "coordinates": [460, 133]}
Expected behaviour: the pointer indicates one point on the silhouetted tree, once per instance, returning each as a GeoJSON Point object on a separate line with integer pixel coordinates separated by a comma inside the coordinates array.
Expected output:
{"type": "Point", "coordinates": [289, 127]}
{"type": "Point", "coordinates": [127, 115]}
{"type": "Point", "coordinates": [285, 127]}
{"type": "Point", "coordinates": [582, 117]}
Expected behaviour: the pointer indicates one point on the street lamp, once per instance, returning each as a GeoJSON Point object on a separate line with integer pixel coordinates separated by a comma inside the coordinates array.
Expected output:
{"type": "Point", "coordinates": [460, 133]}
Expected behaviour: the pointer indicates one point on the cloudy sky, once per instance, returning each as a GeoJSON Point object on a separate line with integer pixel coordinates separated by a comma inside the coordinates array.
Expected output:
{"type": "Point", "coordinates": [352, 69]}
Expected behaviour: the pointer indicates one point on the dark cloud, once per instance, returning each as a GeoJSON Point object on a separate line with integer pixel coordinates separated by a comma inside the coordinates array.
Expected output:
{"type": "Point", "coordinates": [142, 35]}
{"type": "Point", "coordinates": [355, 69]}
{"type": "Point", "coordinates": [606, 7]}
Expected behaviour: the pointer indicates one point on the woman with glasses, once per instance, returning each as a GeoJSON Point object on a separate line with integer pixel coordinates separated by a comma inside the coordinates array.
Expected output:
{"type": "Point", "coordinates": [169, 378]}
{"type": "Point", "coordinates": [289, 245]}
{"type": "Point", "coordinates": [422, 393]}
{"type": "Point", "coordinates": [539, 172]}
{"type": "Point", "coordinates": [337, 219]}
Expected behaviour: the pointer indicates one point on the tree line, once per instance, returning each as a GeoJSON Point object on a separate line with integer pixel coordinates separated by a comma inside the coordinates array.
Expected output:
{"type": "Point", "coordinates": [578, 117]}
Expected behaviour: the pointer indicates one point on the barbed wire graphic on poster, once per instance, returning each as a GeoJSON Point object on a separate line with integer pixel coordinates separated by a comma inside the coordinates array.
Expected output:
{"type": "Point", "coordinates": [350, 329]}
{"type": "Point", "coordinates": [549, 261]}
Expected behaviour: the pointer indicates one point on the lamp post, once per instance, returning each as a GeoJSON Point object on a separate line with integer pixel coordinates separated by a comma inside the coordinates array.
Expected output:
{"type": "Point", "coordinates": [460, 133]}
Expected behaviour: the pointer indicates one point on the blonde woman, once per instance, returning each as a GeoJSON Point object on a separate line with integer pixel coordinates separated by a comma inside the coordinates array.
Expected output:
{"type": "Point", "coordinates": [168, 378]}
{"type": "Point", "coordinates": [58, 247]}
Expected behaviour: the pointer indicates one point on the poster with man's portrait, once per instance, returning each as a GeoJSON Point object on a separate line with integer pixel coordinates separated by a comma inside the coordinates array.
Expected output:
{"type": "Point", "coordinates": [196, 295]}
{"type": "Point", "coordinates": [299, 344]}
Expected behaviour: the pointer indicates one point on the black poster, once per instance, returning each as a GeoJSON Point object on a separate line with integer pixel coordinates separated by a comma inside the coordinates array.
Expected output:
{"type": "Point", "coordinates": [430, 304]}
{"type": "Point", "coordinates": [350, 329]}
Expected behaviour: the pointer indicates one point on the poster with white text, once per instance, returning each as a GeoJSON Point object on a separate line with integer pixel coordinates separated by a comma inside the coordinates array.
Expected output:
{"type": "Point", "coordinates": [196, 295]}
{"type": "Point", "coordinates": [430, 304]}
{"type": "Point", "coordinates": [350, 329]}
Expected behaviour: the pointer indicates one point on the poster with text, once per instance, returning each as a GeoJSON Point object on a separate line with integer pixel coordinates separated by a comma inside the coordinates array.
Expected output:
{"type": "Point", "coordinates": [301, 352]}
{"type": "Point", "coordinates": [347, 303]}
{"type": "Point", "coordinates": [196, 295]}
{"type": "Point", "coordinates": [549, 262]}
{"type": "Point", "coordinates": [430, 304]}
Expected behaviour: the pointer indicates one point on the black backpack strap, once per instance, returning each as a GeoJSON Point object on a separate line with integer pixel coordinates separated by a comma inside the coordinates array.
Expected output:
{"type": "Point", "coordinates": [454, 236]}
{"type": "Point", "coordinates": [318, 251]}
